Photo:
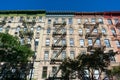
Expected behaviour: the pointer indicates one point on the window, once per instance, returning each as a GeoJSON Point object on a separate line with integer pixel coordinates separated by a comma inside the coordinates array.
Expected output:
{"type": "Point", "coordinates": [71, 30]}
{"type": "Point", "coordinates": [81, 42]}
{"type": "Point", "coordinates": [90, 42]}
{"type": "Point", "coordinates": [63, 30]}
{"type": "Point", "coordinates": [119, 30]}
{"type": "Point", "coordinates": [63, 41]}
{"type": "Point", "coordinates": [103, 30]}
{"type": "Point", "coordinates": [78, 21]}
{"type": "Point", "coordinates": [22, 41]}
{"type": "Point", "coordinates": [31, 28]}
{"type": "Point", "coordinates": [72, 54]}
{"type": "Point", "coordinates": [80, 31]}
{"type": "Point", "coordinates": [29, 40]}
{"type": "Point", "coordinates": [56, 20]}
{"type": "Point", "coordinates": [107, 43]}
{"type": "Point", "coordinates": [47, 41]}
{"type": "Point", "coordinates": [49, 21]}
{"type": "Point", "coordinates": [100, 20]}
{"type": "Point", "coordinates": [93, 20]}
{"type": "Point", "coordinates": [86, 20]}
{"type": "Point", "coordinates": [112, 58]}
{"type": "Point", "coordinates": [96, 74]}
{"type": "Point", "coordinates": [109, 21]}
{"type": "Point", "coordinates": [54, 69]}
{"type": "Point", "coordinates": [34, 18]}
{"type": "Point", "coordinates": [38, 28]}
{"type": "Point", "coordinates": [18, 29]}
{"type": "Point", "coordinates": [48, 30]}
{"type": "Point", "coordinates": [98, 43]}
{"type": "Point", "coordinates": [28, 18]}
{"type": "Point", "coordinates": [54, 54]}
{"type": "Point", "coordinates": [1, 29]}
{"type": "Point", "coordinates": [63, 19]}
{"type": "Point", "coordinates": [118, 43]}
{"type": "Point", "coordinates": [70, 21]}
{"type": "Point", "coordinates": [71, 42]}
{"type": "Point", "coordinates": [36, 42]}
{"type": "Point", "coordinates": [95, 30]}
{"type": "Point", "coordinates": [25, 29]}
{"type": "Point", "coordinates": [21, 18]}
{"type": "Point", "coordinates": [113, 31]}
{"type": "Point", "coordinates": [63, 54]}
{"type": "Point", "coordinates": [12, 18]}
{"type": "Point", "coordinates": [44, 72]}
{"type": "Point", "coordinates": [55, 40]}
{"type": "Point", "coordinates": [86, 74]}
{"type": "Point", "coordinates": [46, 55]}
{"type": "Point", "coordinates": [87, 30]}
{"type": "Point", "coordinates": [40, 18]}
{"type": "Point", "coordinates": [116, 21]}
{"type": "Point", "coordinates": [7, 29]}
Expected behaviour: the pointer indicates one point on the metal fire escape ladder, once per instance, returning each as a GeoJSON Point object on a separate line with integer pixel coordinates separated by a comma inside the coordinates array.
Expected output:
{"type": "Point", "coordinates": [93, 36]}
{"type": "Point", "coordinates": [59, 34]}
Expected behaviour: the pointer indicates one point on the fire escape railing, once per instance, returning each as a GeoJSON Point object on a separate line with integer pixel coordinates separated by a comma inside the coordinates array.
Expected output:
{"type": "Point", "coordinates": [93, 36]}
{"type": "Point", "coordinates": [59, 34]}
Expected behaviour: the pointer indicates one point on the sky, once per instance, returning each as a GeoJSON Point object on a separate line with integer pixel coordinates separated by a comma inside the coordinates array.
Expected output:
{"type": "Point", "coordinates": [61, 5]}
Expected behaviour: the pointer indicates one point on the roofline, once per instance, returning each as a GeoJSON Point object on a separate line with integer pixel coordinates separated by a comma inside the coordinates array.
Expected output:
{"type": "Point", "coordinates": [60, 13]}
{"type": "Point", "coordinates": [30, 12]}
{"type": "Point", "coordinates": [113, 13]}
{"type": "Point", "coordinates": [22, 11]}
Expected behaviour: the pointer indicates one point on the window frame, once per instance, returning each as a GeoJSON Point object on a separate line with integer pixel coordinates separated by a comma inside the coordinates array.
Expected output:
{"type": "Point", "coordinates": [46, 55]}
{"type": "Point", "coordinates": [71, 42]}
{"type": "Point", "coordinates": [44, 72]}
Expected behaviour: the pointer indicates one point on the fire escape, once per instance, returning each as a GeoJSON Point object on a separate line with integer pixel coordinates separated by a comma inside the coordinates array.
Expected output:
{"type": "Point", "coordinates": [59, 34]}
{"type": "Point", "coordinates": [93, 36]}
{"type": "Point", "coordinates": [117, 37]}
{"type": "Point", "coordinates": [26, 32]}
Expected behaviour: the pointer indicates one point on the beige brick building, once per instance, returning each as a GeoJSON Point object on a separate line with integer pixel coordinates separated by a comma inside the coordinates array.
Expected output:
{"type": "Point", "coordinates": [57, 35]}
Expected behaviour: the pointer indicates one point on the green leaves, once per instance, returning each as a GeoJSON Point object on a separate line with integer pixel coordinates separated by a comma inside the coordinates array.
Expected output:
{"type": "Point", "coordinates": [11, 50]}
{"type": "Point", "coordinates": [14, 57]}
{"type": "Point", "coordinates": [91, 62]}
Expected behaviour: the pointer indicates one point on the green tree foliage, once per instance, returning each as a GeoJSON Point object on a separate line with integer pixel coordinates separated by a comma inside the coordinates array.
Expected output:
{"type": "Point", "coordinates": [91, 62]}
{"type": "Point", "coordinates": [13, 58]}
{"type": "Point", "coordinates": [115, 71]}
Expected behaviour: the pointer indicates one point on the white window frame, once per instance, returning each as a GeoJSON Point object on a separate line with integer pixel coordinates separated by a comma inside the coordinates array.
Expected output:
{"type": "Point", "coordinates": [117, 43]}
{"type": "Point", "coordinates": [90, 42]}
{"type": "Point", "coordinates": [72, 54]}
{"type": "Point", "coordinates": [47, 42]}
{"type": "Point", "coordinates": [79, 21]}
{"type": "Point", "coordinates": [82, 42]}
{"type": "Point", "coordinates": [46, 55]}
{"type": "Point", "coordinates": [63, 55]}
{"type": "Point", "coordinates": [71, 42]}
{"type": "Point", "coordinates": [107, 42]}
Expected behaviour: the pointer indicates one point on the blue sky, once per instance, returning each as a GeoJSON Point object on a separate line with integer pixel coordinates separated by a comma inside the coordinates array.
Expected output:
{"type": "Point", "coordinates": [64, 5]}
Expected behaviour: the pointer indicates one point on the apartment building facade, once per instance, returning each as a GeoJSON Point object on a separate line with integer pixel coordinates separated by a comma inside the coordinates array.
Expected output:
{"type": "Point", "coordinates": [57, 35]}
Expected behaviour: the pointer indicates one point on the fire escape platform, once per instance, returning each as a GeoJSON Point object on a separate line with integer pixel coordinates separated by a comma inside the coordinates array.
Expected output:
{"type": "Point", "coordinates": [93, 35]}
{"type": "Point", "coordinates": [57, 34]}
{"type": "Point", "coordinates": [118, 25]}
{"type": "Point", "coordinates": [58, 46]}
{"type": "Point", "coordinates": [92, 48]}
{"type": "Point", "coordinates": [61, 24]}
{"type": "Point", "coordinates": [90, 24]}
{"type": "Point", "coordinates": [56, 61]}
